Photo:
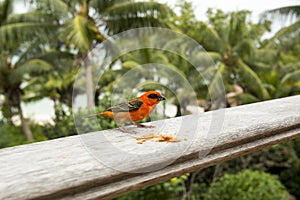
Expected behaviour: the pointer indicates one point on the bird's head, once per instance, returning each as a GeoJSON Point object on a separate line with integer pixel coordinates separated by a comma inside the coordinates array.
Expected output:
{"type": "Point", "coordinates": [152, 97]}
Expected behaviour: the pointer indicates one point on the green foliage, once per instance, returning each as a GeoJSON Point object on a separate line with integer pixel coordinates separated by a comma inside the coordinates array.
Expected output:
{"type": "Point", "coordinates": [246, 98]}
{"type": "Point", "coordinates": [291, 179]}
{"type": "Point", "coordinates": [63, 126]}
{"type": "Point", "coordinates": [167, 190]}
{"type": "Point", "coordinates": [282, 14]}
{"type": "Point", "coordinates": [127, 15]}
{"type": "Point", "coordinates": [291, 176]}
{"type": "Point", "coordinates": [247, 185]}
{"type": "Point", "coordinates": [233, 40]}
{"type": "Point", "coordinates": [41, 50]}
{"type": "Point", "coordinates": [80, 32]}
{"type": "Point", "coordinates": [249, 76]}
{"type": "Point", "coordinates": [11, 135]}
{"type": "Point", "coordinates": [20, 28]}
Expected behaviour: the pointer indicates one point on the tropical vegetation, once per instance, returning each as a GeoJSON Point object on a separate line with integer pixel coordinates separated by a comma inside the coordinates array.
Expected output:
{"type": "Point", "coordinates": [43, 49]}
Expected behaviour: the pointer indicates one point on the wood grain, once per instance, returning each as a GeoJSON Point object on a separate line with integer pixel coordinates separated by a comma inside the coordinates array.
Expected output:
{"type": "Point", "coordinates": [105, 164]}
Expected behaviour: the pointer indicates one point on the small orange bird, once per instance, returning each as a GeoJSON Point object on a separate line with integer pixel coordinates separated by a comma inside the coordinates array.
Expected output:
{"type": "Point", "coordinates": [134, 109]}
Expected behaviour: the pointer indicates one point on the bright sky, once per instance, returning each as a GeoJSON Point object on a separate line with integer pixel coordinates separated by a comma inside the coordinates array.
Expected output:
{"type": "Point", "coordinates": [44, 109]}
{"type": "Point", "coordinates": [255, 6]}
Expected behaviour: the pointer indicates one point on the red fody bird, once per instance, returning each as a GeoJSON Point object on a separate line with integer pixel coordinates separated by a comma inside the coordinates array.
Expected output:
{"type": "Point", "coordinates": [134, 109]}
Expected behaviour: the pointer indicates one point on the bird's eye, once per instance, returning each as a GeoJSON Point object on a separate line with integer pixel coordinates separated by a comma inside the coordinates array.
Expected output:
{"type": "Point", "coordinates": [152, 96]}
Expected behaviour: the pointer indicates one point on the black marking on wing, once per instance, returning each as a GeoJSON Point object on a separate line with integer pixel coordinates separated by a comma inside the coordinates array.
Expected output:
{"type": "Point", "coordinates": [131, 105]}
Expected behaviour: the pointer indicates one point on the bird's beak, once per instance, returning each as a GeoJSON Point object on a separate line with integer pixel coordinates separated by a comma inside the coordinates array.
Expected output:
{"type": "Point", "coordinates": [161, 98]}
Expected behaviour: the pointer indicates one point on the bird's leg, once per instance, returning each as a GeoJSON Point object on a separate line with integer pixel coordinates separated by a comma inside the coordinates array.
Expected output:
{"type": "Point", "coordinates": [124, 129]}
{"type": "Point", "coordinates": [143, 126]}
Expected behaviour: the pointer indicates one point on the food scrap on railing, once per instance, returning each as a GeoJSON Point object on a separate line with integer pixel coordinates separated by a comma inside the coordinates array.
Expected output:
{"type": "Point", "coordinates": [157, 138]}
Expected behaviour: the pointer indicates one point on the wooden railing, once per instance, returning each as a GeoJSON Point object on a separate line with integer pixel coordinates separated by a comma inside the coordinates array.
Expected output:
{"type": "Point", "coordinates": [105, 164]}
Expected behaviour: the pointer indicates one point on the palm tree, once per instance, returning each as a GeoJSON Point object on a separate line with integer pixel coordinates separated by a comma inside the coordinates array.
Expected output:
{"type": "Point", "coordinates": [11, 78]}
{"type": "Point", "coordinates": [285, 71]}
{"type": "Point", "coordinates": [57, 83]}
{"type": "Point", "coordinates": [18, 45]}
{"type": "Point", "coordinates": [232, 42]}
{"type": "Point", "coordinates": [84, 23]}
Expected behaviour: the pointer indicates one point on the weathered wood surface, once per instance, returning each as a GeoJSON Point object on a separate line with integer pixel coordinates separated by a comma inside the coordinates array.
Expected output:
{"type": "Point", "coordinates": [103, 165]}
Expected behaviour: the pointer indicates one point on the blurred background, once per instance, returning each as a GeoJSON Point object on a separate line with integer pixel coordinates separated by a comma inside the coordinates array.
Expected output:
{"type": "Point", "coordinates": [254, 45]}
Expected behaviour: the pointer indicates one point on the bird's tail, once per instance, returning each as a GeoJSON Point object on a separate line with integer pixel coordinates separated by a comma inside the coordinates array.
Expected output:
{"type": "Point", "coordinates": [94, 115]}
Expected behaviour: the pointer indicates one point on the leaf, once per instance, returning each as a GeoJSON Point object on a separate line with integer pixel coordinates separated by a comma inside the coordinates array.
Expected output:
{"type": "Point", "coordinates": [12, 35]}
{"type": "Point", "coordinates": [59, 8]}
{"type": "Point", "coordinates": [289, 68]}
{"type": "Point", "coordinates": [237, 27]}
{"type": "Point", "coordinates": [282, 13]}
{"type": "Point", "coordinates": [284, 32]}
{"type": "Point", "coordinates": [211, 39]}
{"type": "Point", "coordinates": [127, 15]}
{"type": "Point", "coordinates": [265, 55]}
{"type": "Point", "coordinates": [247, 98]}
{"type": "Point", "coordinates": [77, 33]}
{"type": "Point", "coordinates": [80, 32]}
{"type": "Point", "coordinates": [33, 16]}
{"type": "Point", "coordinates": [245, 48]}
{"type": "Point", "coordinates": [213, 78]}
{"type": "Point", "coordinates": [207, 59]}
{"type": "Point", "coordinates": [33, 66]}
{"type": "Point", "coordinates": [292, 78]}
{"type": "Point", "coordinates": [130, 64]}
{"type": "Point", "coordinates": [252, 80]}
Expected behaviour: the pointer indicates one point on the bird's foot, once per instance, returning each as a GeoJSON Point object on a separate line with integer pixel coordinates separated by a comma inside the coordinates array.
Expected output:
{"type": "Point", "coordinates": [144, 126]}
{"type": "Point", "coordinates": [125, 130]}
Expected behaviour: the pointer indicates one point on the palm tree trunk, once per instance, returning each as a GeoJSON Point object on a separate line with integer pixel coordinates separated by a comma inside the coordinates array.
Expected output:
{"type": "Point", "coordinates": [89, 84]}
{"type": "Point", "coordinates": [25, 125]}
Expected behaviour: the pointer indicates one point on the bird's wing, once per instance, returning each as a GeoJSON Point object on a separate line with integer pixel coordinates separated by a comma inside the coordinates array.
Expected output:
{"type": "Point", "coordinates": [131, 105]}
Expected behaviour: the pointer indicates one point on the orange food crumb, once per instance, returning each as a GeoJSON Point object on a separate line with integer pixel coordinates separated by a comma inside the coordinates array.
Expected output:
{"type": "Point", "coordinates": [167, 138]}
{"type": "Point", "coordinates": [160, 138]}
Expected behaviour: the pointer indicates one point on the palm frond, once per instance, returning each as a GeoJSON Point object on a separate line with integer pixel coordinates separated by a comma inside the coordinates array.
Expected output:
{"type": "Point", "coordinates": [289, 68]}
{"type": "Point", "coordinates": [160, 58]}
{"type": "Point", "coordinates": [215, 56]}
{"type": "Point", "coordinates": [282, 12]}
{"type": "Point", "coordinates": [13, 34]}
{"type": "Point", "coordinates": [237, 27]}
{"type": "Point", "coordinates": [247, 98]}
{"type": "Point", "coordinates": [258, 30]}
{"type": "Point", "coordinates": [285, 32]}
{"type": "Point", "coordinates": [78, 33]}
{"type": "Point", "coordinates": [53, 82]}
{"type": "Point", "coordinates": [130, 64]}
{"type": "Point", "coordinates": [127, 15]}
{"type": "Point", "coordinates": [33, 16]}
{"type": "Point", "coordinates": [62, 61]}
{"type": "Point", "coordinates": [205, 59]}
{"type": "Point", "coordinates": [117, 25]}
{"type": "Point", "coordinates": [59, 8]}
{"type": "Point", "coordinates": [213, 78]}
{"type": "Point", "coordinates": [245, 48]}
{"type": "Point", "coordinates": [254, 83]}
{"type": "Point", "coordinates": [33, 66]}
{"type": "Point", "coordinates": [260, 66]}
{"type": "Point", "coordinates": [211, 39]}
{"type": "Point", "coordinates": [266, 55]}
{"type": "Point", "coordinates": [292, 78]}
